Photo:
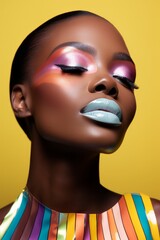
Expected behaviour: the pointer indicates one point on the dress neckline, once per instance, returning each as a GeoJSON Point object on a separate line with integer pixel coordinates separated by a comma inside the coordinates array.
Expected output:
{"type": "Point", "coordinates": [27, 192]}
{"type": "Point", "coordinates": [28, 218]}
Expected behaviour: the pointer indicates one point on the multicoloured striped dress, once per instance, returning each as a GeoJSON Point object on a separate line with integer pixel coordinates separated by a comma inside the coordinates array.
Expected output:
{"type": "Point", "coordinates": [131, 218]}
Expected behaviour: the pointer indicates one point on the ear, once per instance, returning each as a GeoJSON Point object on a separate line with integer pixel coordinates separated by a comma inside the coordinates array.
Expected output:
{"type": "Point", "coordinates": [18, 101]}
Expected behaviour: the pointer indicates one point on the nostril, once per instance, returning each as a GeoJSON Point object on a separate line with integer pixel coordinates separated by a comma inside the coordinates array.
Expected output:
{"type": "Point", "coordinates": [112, 92]}
{"type": "Point", "coordinates": [100, 88]}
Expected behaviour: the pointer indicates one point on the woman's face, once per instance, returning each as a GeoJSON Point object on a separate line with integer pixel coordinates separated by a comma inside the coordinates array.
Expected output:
{"type": "Point", "coordinates": [81, 92]}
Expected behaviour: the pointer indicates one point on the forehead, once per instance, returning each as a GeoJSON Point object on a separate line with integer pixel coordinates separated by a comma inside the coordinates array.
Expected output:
{"type": "Point", "coordinates": [88, 29]}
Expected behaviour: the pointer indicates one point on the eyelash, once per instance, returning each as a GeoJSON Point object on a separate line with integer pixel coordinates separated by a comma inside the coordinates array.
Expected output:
{"type": "Point", "coordinates": [78, 70]}
{"type": "Point", "coordinates": [126, 82]}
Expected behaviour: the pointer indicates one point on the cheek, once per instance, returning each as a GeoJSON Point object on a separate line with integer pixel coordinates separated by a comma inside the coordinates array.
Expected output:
{"type": "Point", "coordinates": [56, 95]}
{"type": "Point", "coordinates": [50, 108]}
{"type": "Point", "coordinates": [49, 90]}
{"type": "Point", "coordinates": [49, 97]}
{"type": "Point", "coordinates": [129, 107]}
{"type": "Point", "coordinates": [61, 90]}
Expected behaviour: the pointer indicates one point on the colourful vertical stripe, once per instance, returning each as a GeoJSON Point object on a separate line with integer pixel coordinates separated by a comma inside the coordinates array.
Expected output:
{"type": "Point", "coordinates": [61, 232]}
{"type": "Point", "coordinates": [142, 216]}
{"type": "Point", "coordinates": [16, 219]}
{"type": "Point", "coordinates": [119, 223]}
{"type": "Point", "coordinates": [38, 223]}
{"type": "Point", "coordinates": [99, 227]}
{"type": "Point", "coordinates": [53, 226]}
{"type": "Point", "coordinates": [33, 213]}
{"type": "Point", "coordinates": [106, 228]}
{"type": "Point", "coordinates": [5, 224]}
{"type": "Point", "coordinates": [46, 223]}
{"type": "Point", "coordinates": [126, 219]}
{"type": "Point", "coordinates": [86, 229]}
{"type": "Point", "coordinates": [93, 226]}
{"type": "Point", "coordinates": [22, 223]}
{"type": "Point", "coordinates": [113, 229]}
{"type": "Point", "coordinates": [70, 226]}
{"type": "Point", "coordinates": [151, 216]}
{"type": "Point", "coordinates": [134, 217]}
{"type": "Point", "coordinates": [80, 226]}
{"type": "Point", "coordinates": [131, 218]}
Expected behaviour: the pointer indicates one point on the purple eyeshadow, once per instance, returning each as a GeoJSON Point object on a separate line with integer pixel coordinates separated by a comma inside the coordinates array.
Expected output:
{"type": "Point", "coordinates": [123, 69]}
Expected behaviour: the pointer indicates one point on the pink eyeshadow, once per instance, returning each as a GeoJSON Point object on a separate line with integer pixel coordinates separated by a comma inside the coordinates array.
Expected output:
{"type": "Point", "coordinates": [124, 69]}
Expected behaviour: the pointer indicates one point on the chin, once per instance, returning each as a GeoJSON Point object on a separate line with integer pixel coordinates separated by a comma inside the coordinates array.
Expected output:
{"type": "Point", "coordinates": [111, 148]}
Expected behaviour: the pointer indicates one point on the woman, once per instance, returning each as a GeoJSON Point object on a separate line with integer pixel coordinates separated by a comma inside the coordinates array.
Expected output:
{"type": "Point", "coordinates": [72, 92]}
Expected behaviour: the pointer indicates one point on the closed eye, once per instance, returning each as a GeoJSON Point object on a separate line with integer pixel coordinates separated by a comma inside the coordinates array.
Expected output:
{"type": "Point", "coordinates": [77, 70]}
{"type": "Point", "coordinates": [126, 82]}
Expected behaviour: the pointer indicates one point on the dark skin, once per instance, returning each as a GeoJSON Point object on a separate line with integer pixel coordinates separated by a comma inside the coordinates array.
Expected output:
{"type": "Point", "coordinates": [64, 168]}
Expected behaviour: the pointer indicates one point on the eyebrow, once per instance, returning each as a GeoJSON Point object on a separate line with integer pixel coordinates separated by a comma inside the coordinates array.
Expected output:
{"type": "Point", "coordinates": [78, 45]}
{"type": "Point", "coordinates": [123, 56]}
{"type": "Point", "coordinates": [89, 49]}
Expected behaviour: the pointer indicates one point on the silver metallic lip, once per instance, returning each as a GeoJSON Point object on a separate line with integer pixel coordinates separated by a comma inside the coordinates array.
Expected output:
{"type": "Point", "coordinates": [103, 110]}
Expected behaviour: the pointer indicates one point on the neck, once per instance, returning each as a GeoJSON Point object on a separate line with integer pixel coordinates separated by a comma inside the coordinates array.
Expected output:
{"type": "Point", "coordinates": [65, 179]}
{"type": "Point", "coordinates": [58, 175]}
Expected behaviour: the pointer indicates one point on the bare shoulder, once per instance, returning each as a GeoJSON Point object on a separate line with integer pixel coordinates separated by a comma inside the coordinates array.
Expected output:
{"type": "Point", "coordinates": [4, 211]}
{"type": "Point", "coordinates": [156, 207]}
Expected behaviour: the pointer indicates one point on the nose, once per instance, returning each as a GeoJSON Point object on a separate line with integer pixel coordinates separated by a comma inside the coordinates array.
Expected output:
{"type": "Point", "coordinates": [106, 85]}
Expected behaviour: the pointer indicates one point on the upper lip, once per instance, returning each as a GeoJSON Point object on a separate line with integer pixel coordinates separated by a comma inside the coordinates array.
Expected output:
{"type": "Point", "coordinates": [103, 104]}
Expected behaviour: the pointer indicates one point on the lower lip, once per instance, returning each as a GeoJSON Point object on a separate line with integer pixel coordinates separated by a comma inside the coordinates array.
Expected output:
{"type": "Point", "coordinates": [103, 117]}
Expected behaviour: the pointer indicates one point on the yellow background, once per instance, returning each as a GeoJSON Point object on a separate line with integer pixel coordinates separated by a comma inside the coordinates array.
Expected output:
{"type": "Point", "coordinates": [135, 167]}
